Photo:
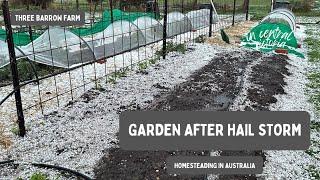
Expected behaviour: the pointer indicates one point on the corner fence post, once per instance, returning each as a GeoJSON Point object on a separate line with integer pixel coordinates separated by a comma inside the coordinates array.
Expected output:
{"type": "Point", "coordinates": [164, 42]}
{"type": "Point", "coordinates": [14, 69]}
{"type": "Point", "coordinates": [247, 9]}
{"type": "Point", "coordinates": [234, 12]}
{"type": "Point", "coordinates": [211, 22]}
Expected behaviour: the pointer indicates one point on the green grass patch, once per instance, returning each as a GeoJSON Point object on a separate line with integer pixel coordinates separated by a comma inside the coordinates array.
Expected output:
{"type": "Point", "coordinates": [314, 55]}
{"type": "Point", "coordinates": [315, 126]}
{"type": "Point", "coordinates": [314, 47]}
{"type": "Point", "coordinates": [314, 79]}
{"type": "Point", "coordinates": [314, 172]}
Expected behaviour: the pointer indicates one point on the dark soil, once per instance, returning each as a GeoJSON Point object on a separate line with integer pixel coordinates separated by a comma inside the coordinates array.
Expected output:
{"type": "Point", "coordinates": [269, 76]}
{"type": "Point", "coordinates": [212, 88]}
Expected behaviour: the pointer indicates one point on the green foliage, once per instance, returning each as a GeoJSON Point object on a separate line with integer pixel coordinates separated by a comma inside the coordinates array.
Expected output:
{"type": "Point", "coordinates": [314, 56]}
{"type": "Point", "coordinates": [314, 79]}
{"type": "Point", "coordinates": [118, 74]}
{"type": "Point", "coordinates": [172, 47]}
{"type": "Point", "coordinates": [143, 65]}
{"type": "Point", "coordinates": [315, 126]}
{"type": "Point", "coordinates": [314, 172]}
{"type": "Point", "coordinates": [154, 60]}
{"type": "Point", "coordinates": [27, 71]}
{"type": "Point", "coordinates": [15, 130]}
{"type": "Point", "coordinates": [38, 176]}
{"type": "Point", "coordinates": [301, 5]}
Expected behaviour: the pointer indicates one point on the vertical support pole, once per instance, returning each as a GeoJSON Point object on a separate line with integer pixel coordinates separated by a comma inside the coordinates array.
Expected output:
{"type": "Point", "coordinates": [211, 22]}
{"type": "Point", "coordinates": [165, 19]}
{"type": "Point", "coordinates": [77, 4]}
{"type": "Point", "coordinates": [234, 12]}
{"type": "Point", "coordinates": [111, 9]}
{"type": "Point", "coordinates": [155, 9]}
{"type": "Point", "coordinates": [29, 27]}
{"type": "Point", "coordinates": [14, 69]}
{"type": "Point", "coordinates": [182, 6]}
{"type": "Point", "coordinates": [247, 9]}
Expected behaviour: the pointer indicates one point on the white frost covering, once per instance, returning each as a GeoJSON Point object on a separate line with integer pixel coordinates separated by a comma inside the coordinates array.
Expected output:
{"type": "Point", "coordinates": [65, 49]}
{"type": "Point", "coordinates": [151, 28]}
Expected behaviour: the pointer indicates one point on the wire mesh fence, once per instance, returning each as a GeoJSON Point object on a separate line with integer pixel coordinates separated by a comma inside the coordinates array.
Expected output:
{"type": "Point", "coordinates": [56, 65]}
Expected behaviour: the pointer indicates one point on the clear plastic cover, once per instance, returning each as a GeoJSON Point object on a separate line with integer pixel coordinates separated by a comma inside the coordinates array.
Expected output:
{"type": "Point", "coordinates": [151, 28]}
{"type": "Point", "coordinates": [280, 16]}
{"type": "Point", "coordinates": [58, 47]}
{"type": "Point", "coordinates": [201, 18]}
{"type": "Point", "coordinates": [177, 23]}
{"type": "Point", "coordinates": [118, 37]}
{"type": "Point", "coordinates": [4, 54]}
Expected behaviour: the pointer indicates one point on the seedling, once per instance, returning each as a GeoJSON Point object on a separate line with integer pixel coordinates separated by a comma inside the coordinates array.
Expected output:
{"type": "Point", "coordinates": [38, 176]}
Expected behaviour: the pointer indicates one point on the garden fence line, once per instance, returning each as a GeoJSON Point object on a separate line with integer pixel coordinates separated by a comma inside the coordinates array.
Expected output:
{"type": "Point", "coordinates": [52, 66]}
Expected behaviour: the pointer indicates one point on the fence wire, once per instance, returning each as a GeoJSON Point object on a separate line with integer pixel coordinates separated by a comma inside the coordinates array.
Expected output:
{"type": "Point", "coordinates": [57, 65]}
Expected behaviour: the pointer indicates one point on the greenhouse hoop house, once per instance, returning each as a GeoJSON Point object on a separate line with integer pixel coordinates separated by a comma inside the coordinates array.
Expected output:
{"type": "Point", "coordinates": [66, 48]}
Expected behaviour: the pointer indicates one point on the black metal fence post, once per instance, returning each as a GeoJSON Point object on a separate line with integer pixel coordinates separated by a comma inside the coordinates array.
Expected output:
{"type": "Point", "coordinates": [247, 9]}
{"type": "Point", "coordinates": [211, 22]}
{"type": "Point", "coordinates": [14, 69]}
{"type": "Point", "coordinates": [234, 12]}
{"type": "Point", "coordinates": [164, 42]}
{"type": "Point", "coordinates": [111, 9]}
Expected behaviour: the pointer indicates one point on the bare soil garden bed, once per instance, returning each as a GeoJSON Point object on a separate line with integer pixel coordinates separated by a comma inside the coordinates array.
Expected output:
{"type": "Point", "coordinates": [212, 88]}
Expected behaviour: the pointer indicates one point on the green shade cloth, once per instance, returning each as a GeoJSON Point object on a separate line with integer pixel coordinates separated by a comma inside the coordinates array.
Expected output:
{"type": "Point", "coordinates": [267, 37]}
{"type": "Point", "coordinates": [106, 21]}
{"type": "Point", "coordinates": [23, 38]}
{"type": "Point", "coordinates": [19, 38]}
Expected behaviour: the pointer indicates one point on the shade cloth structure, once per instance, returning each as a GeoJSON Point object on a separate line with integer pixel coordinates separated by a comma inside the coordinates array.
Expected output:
{"type": "Point", "coordinates": [19, 38]}
{"type": "Point", "coordinates": [283, 16]}
{"type": "Point", "coordinates": [106, 20]}
{"type": "Point", "coordinates": [66, 48]}
{"type": "Point", "coordinates": [23, 38]}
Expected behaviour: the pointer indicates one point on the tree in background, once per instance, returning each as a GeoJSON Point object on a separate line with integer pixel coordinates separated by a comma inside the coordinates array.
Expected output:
{"type": "Point", "coordinates": [302, 5]}
{"type": "Point", "coordinates": [44, 4]}
{"type": "Point", "coordinates": [245, 5]}
{"type": "Point", "coordinates": [95, 3]}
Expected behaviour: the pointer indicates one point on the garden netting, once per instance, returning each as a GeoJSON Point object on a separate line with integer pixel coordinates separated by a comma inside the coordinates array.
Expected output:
{"type": "Point", "coordinates": [66, 48]}
{"type": "Point", "coordinates": [23, 38]}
